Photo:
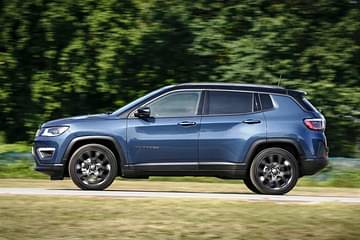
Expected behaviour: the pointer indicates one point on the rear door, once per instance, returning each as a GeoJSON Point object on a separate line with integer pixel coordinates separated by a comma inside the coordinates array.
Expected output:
{"type": "Point", "coordinates": [230, 124]}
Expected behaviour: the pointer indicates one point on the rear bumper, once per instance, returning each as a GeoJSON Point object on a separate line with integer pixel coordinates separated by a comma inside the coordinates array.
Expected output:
{"type": "Point", "coordinates": [312, 166]}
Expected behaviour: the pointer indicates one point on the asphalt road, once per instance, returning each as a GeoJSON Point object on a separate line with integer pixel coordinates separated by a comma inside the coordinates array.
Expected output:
{"type": "Point", "coordinates": [162, 194]}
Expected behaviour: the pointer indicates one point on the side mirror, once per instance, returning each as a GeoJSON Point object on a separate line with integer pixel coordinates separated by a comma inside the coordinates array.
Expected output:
{"type": "Point", "coordinates": [142, 112]}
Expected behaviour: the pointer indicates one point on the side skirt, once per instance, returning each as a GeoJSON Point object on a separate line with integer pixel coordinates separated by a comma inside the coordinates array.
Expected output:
{"type": "Point", "coordinates": [205, 169]}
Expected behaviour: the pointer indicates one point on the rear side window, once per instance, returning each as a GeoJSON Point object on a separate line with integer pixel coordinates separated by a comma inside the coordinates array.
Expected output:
{"type": "Point", "coordinates": [266, 102]}
{"type": "Point", "coordinates": [227, 102]}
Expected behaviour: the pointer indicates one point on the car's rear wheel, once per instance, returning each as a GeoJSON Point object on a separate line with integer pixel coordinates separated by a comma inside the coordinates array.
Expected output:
{"type": "Point", "coordinates": [93, 167]}
{"type": "Point", "coordinates": [274, 171]}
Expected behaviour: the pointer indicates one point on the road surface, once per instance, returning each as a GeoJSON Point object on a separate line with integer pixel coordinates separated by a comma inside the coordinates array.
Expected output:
{"type": "Point", "coordinates": [190, 195]}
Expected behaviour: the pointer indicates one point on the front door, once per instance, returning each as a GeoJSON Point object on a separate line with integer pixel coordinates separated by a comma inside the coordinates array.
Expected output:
{"type": "Point", "coordinates": [168, 140]}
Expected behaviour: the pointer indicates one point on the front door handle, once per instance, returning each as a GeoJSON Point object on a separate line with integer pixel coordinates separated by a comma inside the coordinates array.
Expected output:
{"type": "Point", "coordinates": [251, 121]}
{"type": "Point", "coordinates": [186, 123]}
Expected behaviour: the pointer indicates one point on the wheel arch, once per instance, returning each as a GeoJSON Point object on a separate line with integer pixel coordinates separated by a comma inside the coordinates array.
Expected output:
{"type": "Point", "coordinates": [288, 144]}
{"type": "Point", "coordinates": [106, 141]}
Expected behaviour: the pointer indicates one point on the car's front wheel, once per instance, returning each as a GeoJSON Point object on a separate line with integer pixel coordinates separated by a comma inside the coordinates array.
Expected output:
{"type": "Point", "coordinates": [250, 185]}
{"type": "Point", "coordinates": [274, 171]}
{"type": "Point", "coordinates": [93, 167]}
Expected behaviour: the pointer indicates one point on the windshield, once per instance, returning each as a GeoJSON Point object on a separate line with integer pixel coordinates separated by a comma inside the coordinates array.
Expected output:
{"type": "Point", "coordinates": [138, 100]}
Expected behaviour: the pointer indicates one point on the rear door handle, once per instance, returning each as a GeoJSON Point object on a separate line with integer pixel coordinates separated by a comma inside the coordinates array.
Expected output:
{"type": "Point", "coordinates": [251, 121]}
{"type": "Point", "coordinates": [186, 123]}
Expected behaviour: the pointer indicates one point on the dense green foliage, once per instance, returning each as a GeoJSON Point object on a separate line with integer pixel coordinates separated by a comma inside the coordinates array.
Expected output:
{"type": "Point", "coordinates": [61, 58]}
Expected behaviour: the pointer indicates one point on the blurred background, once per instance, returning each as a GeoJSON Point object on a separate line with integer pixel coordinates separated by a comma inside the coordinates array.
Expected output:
{"type": "Point", "coordinates": [63, 58]}
{"type": "Point", "coordinates": [60, 58]}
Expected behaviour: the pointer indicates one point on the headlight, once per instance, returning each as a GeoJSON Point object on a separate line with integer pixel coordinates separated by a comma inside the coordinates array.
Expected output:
{"type": "Point", "coordinates": [53, 131]}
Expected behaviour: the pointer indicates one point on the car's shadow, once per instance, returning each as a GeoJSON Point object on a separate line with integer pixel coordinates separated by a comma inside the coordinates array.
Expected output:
{"type": "Point", "coordinates": [151, 191]}
{"type": "Point", "coordinates": [203, 192]}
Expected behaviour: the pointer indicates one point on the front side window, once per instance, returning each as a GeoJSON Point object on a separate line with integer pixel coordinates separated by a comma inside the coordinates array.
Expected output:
{"type": "Point", "coordinates": [227, 102]}
{"type": "Point", "coordinates": [176, 104]}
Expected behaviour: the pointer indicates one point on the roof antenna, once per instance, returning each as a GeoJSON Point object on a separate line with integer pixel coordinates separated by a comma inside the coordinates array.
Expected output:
{"type": "Point", "coordinates": [279, 82]}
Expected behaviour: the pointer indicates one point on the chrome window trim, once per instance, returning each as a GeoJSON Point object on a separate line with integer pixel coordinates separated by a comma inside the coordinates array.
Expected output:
{"type": "Point", "coordinates": [274, 103]}
{"type": "Point", "coordinates": [131, 114]}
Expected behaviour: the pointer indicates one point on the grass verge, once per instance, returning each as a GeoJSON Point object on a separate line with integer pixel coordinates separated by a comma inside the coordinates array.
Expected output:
{"type": "Point", "coordinates": [145, 185]}
{"type": "Point", "coordinates": [25, 217]}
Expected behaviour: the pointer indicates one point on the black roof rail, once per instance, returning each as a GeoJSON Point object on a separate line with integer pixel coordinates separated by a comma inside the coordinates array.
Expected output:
{"type": "Point", "coordinates": [233, 86]}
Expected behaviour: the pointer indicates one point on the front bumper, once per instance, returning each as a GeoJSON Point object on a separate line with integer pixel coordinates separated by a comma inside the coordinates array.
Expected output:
{"type": "Point", "coordinates": [56, 171]}
{"type": "Point", "coordinates": [47, 166]}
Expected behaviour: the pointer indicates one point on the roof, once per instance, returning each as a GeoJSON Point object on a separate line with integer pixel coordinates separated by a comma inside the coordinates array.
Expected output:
{"type": "Point", "coordinates": [233, 86]}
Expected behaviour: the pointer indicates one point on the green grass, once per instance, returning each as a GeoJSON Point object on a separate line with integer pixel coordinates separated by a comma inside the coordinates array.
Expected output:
{"type": "Point", "coordinates": [20, 147]}
{"type": "Point", "coordinates": [25, 217]}
{"type": "Point", "coordinates": [345, 177]}
{"type": "Point", "coordinates": [145, 185]}
{"type": "Point", "coordinates": [19, 169]}
{"type": "Point", "coordinates": [14, 165]}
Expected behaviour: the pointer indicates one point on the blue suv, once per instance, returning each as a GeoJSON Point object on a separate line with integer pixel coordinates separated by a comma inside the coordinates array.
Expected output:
{"type": "Point", "coordinates": [268, 136]}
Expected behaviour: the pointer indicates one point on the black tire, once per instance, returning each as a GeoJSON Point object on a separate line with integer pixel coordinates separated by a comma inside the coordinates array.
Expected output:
{"type": "Point", "coordinates": [274, 171]}
{"type": "Point", "coordinates": [93, 167]}
{"type": "Point", "coordinates": [250, 185]}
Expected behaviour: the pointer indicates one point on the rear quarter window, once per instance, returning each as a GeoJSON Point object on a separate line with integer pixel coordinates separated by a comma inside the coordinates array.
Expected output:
{"type": "Point", "coordinates": [266, 102]}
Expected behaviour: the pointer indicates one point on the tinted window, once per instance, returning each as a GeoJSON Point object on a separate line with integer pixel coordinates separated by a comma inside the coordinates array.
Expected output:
{"type": "Point", "coordinates": [176, 104]}
{"type": "Point", "coordinates": [222, 102]}
{"type": "Point", "coordinates": [266, 102]}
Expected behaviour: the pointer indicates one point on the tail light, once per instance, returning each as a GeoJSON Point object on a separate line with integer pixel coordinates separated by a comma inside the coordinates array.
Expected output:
{"type": "Point", "coordinates": [316, 124]}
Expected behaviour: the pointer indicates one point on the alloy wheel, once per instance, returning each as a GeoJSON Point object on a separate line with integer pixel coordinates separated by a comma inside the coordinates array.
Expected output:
{"type": "Point", "coordinates": [275, 171]}
{"type": "Point", "coordinates": [93, 167]}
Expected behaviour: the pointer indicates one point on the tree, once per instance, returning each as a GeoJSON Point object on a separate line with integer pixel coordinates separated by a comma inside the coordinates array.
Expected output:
{"type": "Point", "coordinates": [61, 58]}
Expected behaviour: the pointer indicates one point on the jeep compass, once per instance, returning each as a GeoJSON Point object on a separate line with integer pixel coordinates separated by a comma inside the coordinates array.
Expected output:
{"type": "Point", "coordinates": [268, 136]}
